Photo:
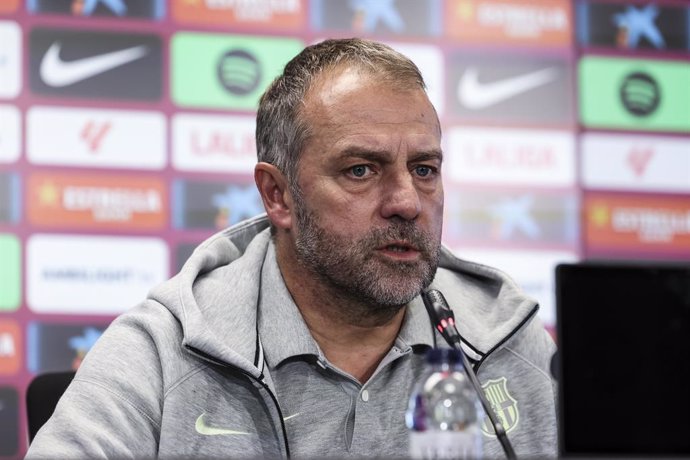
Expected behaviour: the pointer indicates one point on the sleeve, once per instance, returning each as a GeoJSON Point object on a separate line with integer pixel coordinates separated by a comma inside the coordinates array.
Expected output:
{"type": "Point", "coordinates": [93, 421]}
{"type": "Point", "coordinates": [112, 408]}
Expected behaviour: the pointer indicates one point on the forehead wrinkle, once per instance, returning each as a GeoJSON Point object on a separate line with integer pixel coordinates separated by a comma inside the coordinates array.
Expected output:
{"type": "Point", "coordinates": [384, 141]}
{"type": "Point", "coordinates": [324, 98]}
{"type": "Point", "coordinates": [329, 109]}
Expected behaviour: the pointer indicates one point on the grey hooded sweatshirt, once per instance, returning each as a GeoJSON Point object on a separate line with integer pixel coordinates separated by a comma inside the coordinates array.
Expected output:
{"type": "Point", "coordinates": [183, 374]}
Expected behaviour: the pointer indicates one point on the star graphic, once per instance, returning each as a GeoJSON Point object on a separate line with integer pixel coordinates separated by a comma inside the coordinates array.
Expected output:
{"type": "Point", "coordinates": [116, 6]}
{"type": "Point", "coordinates": [465, 11]}
{"type": "Point", "coordinates": [84, 342]}
{"type": "Point", "coordinates": [640, 23]}
{"type": "Point", "coordinates": [513, 214]}
{"type": "Point", "coordinates": [48, 194]}
{"type": "Point", "coordinates": [370, 12]}
{"type": "Point", "coordinates": [599, 215]}
{"type": "Point", "coordinates": [237, 203]}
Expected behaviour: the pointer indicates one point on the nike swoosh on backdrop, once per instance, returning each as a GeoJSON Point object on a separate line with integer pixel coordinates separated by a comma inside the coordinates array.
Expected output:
{"type": "Point", "coordinates": [58, 73]}
{"type": "Point", "coordinates": [475, 95]}
{"type": "Point", "coordinates": [202, 428]}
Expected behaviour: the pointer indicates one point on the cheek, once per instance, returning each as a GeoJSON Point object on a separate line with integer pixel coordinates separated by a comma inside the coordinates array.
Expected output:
{"type": "Point", "coordinates": [349, 221]}
{"type": "Point", "coordinates": [434, 201]}
{"type": "Point", "coordinates": [435, 214]}
{"type": "Point", "coordinates": [343, 209]}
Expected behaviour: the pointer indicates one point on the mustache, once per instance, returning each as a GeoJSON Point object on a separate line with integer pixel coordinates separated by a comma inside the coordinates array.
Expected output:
{"type": "Point", "coordinates": [396, 231]}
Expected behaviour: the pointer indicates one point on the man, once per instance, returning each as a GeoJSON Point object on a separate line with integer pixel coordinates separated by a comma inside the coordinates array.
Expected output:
{"type": "Point", "coordinates": [302, 332]}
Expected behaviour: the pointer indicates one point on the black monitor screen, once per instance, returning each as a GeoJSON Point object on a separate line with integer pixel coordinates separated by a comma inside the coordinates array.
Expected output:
{"type": "Point", "coordinates": [624, 359]}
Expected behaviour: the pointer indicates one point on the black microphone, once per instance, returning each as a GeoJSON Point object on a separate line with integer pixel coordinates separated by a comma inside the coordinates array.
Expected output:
{"type": "Point", "coordinates": [444, 321]}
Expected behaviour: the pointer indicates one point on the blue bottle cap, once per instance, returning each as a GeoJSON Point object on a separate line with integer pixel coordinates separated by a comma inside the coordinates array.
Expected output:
{"type": "Point", "coordinates": [444, 355]}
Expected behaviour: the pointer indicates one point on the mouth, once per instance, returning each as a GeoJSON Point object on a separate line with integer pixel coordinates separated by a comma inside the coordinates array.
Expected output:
{"type": "Point", "coordinates": [399, 250]}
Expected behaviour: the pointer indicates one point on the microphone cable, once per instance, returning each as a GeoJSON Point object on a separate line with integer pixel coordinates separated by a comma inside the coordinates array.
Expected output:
{"type": "Point", "coordinates": [444, 321]}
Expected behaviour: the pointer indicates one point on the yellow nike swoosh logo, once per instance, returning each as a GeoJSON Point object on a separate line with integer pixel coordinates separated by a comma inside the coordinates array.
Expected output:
{"type": "Point", "coordinates": [206, 430]}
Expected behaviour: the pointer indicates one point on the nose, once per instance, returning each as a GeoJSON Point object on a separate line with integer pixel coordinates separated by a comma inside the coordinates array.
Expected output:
{"type": "Point", "coordinates": [401, 198]}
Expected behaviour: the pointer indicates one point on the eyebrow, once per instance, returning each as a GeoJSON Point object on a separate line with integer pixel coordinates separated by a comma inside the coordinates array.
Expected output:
{"type": "Point", "coordinates": [385, 156]}
{"type": "Point", "coordinates": [429, 155]}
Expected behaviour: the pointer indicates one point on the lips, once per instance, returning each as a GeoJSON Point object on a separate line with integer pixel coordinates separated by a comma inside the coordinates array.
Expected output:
{"type": "Point", "coordinates": [400, 242]}
{"type": "Point", "coordinates": [398, 246]}
{"type": "Point", "coordinates": [401, 251]}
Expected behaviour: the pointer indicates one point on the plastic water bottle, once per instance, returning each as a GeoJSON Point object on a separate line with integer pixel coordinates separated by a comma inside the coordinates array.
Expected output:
{"type": "Point", "coordinates": [445, 415]}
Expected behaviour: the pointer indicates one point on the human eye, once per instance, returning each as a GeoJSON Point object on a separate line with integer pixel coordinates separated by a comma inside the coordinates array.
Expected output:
{"type": "Point", "coordinates": [359, 171]}
{"type": "Point", "coordinates": [425, 171]}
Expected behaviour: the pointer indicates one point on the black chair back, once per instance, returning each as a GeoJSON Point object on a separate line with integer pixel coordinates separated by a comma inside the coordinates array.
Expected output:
{"type": "Point", "coordinates": [42, 395]}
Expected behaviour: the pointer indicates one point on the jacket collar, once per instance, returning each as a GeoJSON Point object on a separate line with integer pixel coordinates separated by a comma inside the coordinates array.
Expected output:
{"type": "Point", "coordinates": [284, 334]}
{"type": "Point", "coordinates": [216, 296]}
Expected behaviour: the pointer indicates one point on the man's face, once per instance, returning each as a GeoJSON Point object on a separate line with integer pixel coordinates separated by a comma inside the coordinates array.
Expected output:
{"type": "Point", "coordinates": [370, 206]}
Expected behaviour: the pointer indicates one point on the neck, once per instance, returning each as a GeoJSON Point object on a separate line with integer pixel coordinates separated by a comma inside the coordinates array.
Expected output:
{"type": "Point", "coordinates": [353, 335]}
{"type": "Point", "coordinates": [355, 349]}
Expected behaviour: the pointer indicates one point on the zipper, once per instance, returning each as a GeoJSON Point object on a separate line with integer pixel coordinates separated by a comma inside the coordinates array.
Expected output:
{"type": "Point", "coordinates": [205, 356]}
{"type": "Point", "coordinates": [506, 338]}
{"type": "Point", "coordinates": [477, 363]}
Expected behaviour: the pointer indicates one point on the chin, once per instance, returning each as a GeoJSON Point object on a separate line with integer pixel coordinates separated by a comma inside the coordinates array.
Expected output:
{"type": "Point", "coordinates": [400, 292]}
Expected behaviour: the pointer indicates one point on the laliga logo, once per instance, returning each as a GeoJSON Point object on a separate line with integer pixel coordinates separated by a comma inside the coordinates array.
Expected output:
{"type": "Point", "coordinates": [93, 133]}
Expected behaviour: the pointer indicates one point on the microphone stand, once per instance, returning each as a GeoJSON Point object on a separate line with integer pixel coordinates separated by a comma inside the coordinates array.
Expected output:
{"type": "Point", "coordinates": [444, 321]}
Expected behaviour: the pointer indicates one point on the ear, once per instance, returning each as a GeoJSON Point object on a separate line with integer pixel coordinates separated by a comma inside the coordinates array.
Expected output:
{"type": "Point", "coordinates": [275, 194]}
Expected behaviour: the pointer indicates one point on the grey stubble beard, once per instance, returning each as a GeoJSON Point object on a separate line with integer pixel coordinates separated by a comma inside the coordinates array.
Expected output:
{"type": "Point", "coordinates": [374, 288]}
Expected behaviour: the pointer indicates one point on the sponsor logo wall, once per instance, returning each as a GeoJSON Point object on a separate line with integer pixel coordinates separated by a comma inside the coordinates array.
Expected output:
{"type": "Point", "coordinates": [127, 137]}
{"type": "Point", "coordinates": [634, 114]}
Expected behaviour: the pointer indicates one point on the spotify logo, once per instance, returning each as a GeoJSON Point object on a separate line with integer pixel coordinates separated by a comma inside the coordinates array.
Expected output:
{"type": "Point", "coordinates": [239, 72]}
{"type": "Point", "coordinates": [223, 71]}
{"type": "Point", "coordinates": [634, 94]}
{"type": "Point", "coordinates": [640, 94]}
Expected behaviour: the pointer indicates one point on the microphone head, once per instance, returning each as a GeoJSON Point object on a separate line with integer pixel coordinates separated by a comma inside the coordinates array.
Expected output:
{"type": "Point", "coordinates": [435, 296]}
{"type": "Point", "coordinates": [441, 315]}
{"type": "Point", "coordinates": [436, 305]}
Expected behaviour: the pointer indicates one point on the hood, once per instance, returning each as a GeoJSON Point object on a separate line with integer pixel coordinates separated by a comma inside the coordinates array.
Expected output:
{"type": "Point", "coordinates": [489, 306]}
{"type": "Point", "coordinates": [215, 296]}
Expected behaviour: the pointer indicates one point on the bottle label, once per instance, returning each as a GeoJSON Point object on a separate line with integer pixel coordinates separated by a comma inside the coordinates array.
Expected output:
{"type": "Point", "coordinates": [446, 444]}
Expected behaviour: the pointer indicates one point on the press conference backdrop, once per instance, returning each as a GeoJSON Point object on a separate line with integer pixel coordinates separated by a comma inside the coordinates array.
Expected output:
{"type": "Point", "coordinates": [126, 137]}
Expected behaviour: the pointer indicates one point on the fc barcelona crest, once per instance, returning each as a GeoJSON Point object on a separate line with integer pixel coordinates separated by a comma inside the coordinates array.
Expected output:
{"type": "Point", "coordinates": [503, 404]}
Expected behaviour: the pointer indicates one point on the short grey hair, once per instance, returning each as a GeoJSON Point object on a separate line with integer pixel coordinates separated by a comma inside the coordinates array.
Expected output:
{"type": "Point", "coordinates": [281, 130]}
